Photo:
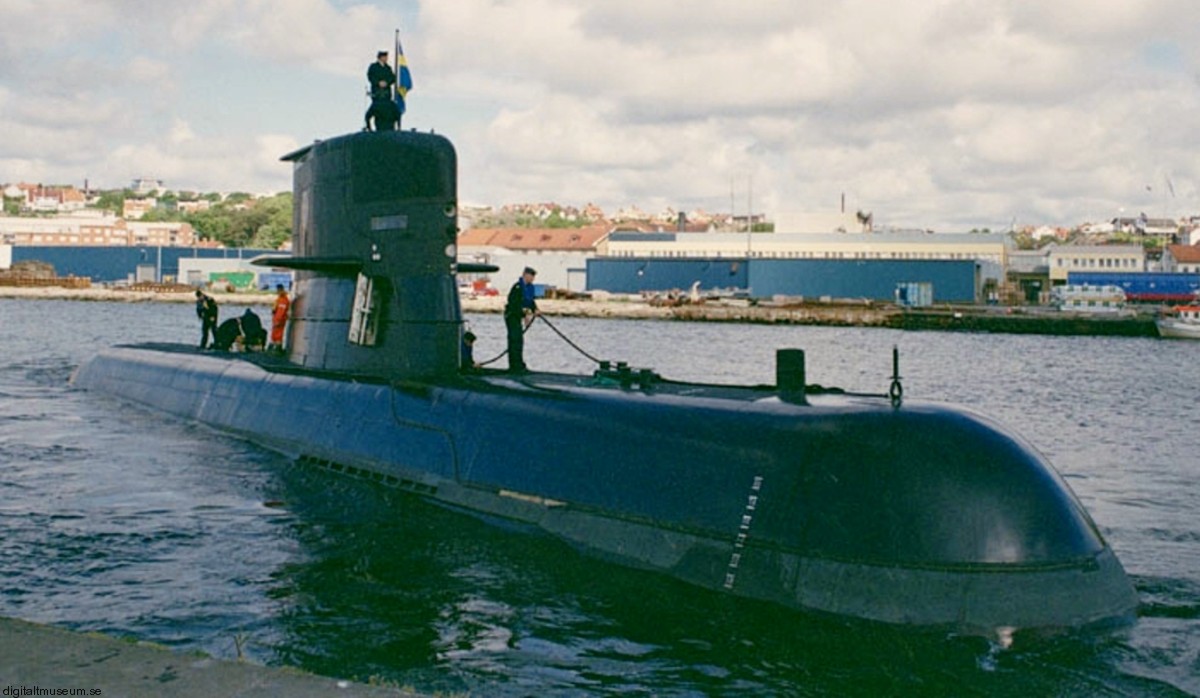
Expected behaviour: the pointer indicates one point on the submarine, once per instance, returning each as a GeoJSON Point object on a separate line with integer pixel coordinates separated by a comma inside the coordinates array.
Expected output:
{"type": "Point", "coordinates": [873, 507]}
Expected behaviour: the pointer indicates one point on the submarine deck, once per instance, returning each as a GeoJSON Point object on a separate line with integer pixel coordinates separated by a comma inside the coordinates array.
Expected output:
{"type": "Point", "coordinates": [861, 497]}
{"type": "Point", "coordinates": [616, 379]}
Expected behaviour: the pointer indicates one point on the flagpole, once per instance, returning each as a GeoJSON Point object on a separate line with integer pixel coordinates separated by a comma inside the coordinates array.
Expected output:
{"type": "Point", "coordinates": [396, 71]}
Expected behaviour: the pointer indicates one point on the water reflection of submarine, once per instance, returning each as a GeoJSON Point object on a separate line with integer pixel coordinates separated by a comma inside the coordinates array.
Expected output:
{"type": "Point", "coordinates": [850, 504]}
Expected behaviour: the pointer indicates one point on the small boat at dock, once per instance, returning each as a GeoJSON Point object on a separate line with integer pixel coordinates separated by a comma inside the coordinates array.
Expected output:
{"type": "Point", "coordinates": [1182, 323]}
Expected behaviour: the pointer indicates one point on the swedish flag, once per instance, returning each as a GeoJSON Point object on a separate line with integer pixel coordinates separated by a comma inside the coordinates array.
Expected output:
{"type": "Point", "coordinates": [404, 81]}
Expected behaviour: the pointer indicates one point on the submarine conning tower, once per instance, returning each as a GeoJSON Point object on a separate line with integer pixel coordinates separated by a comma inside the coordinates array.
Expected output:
{"type": "Point", "coordinates": [374, 227]}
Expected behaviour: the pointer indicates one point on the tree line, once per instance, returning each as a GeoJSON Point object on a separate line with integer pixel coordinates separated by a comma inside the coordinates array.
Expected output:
{"type": "Point", "coordinates": [237, 220]}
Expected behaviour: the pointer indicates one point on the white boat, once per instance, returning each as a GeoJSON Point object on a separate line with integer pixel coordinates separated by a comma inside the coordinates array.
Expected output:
{"type": "Point", "coordinates": [1184, 323]}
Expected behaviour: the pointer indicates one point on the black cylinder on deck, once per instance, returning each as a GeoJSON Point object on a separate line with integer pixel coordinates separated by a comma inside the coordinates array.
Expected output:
{"type": "Point", "coordinates": [790, 378]}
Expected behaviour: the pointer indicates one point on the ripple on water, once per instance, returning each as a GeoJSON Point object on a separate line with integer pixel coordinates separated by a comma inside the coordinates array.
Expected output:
{"type": "Point", "coordinates": [123, 521]}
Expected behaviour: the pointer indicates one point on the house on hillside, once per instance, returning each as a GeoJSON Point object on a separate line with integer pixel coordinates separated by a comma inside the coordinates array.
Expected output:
{"type": "Point", "coordinates": [146, 186]}
{"type": "Point", "coordinates": [1164, 229]}
{"type": "Point", "coordinates": [35, 197]}
{"type": "Point", "coordinates": [1181, 259]}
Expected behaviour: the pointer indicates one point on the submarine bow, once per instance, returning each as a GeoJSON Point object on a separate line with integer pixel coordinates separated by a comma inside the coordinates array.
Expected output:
{"type": "Point", "coordinates": [920, 514]}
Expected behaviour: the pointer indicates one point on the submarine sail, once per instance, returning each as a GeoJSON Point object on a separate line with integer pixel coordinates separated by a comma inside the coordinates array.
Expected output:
{"type": "Point", "coordinates": [911, 513]}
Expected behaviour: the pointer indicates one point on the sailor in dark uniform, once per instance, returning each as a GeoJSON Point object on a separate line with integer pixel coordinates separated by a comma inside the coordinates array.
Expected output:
{"type": "Point", "coordinates": [520, 305]}
{"type": "Point", "coordinates": [206, 310]}
{"type": "Point", "coordinates": [380, 78]}
{"type": "Point", "coordinates": [467, 353]}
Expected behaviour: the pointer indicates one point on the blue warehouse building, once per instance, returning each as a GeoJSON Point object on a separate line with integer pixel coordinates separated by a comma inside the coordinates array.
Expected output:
{"type": "Point", "coordinates": [634, 275]}
{"type": "Point", "coordinates": [108, 264]}
{"type": "Point", "coordinates": [951, 281]}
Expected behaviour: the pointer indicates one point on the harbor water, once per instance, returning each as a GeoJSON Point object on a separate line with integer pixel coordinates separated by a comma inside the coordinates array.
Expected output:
{"type": "Point", "coordinates": [127, 522]}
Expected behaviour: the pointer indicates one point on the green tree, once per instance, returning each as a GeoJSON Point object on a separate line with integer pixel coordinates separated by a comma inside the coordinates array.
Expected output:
{"type": "Point", "coordinates": [1023, 241]}
{"type": "Point", "coordinates": [113, 200]}
{"type": "Point", "coordinates": [557, 220]}
{"type": "Point", "coordinates": [265, 223]}
{"type": "Point", "coordinates": [273, 224]}
{"type": "Point", "coordinates": [213, 224]}
{"type": "Point", "coordinates": [161, 213]}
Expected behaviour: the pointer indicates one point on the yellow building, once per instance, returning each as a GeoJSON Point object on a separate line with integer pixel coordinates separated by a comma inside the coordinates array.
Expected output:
{"type": "Point", "coordinates": [134, 209]}
{"type": "Point", "coordinates": [1076, 258]}
{"type": "Point", "coordinates": [93, 230]}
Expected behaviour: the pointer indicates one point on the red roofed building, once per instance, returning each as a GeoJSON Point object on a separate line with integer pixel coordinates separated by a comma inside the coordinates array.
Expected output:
{"type": "Point", "coordinates": [535, 239]}
{"type": "Point", "coordinates": [1182, 258]}
{"type": "Point", "coordinates": [558, 254]}
{"type": "Point", "coordinates": [42, 198]}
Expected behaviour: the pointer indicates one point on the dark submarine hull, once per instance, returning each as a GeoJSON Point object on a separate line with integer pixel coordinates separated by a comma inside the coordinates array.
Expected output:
{"type": "Point", "coordinates": [902, 513]}
{"type": "Point", "coordinates": [922, 515]}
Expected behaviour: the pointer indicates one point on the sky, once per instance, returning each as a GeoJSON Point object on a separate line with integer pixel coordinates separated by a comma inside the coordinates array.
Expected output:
{"type": "Point", "coordinates": [947, 115]}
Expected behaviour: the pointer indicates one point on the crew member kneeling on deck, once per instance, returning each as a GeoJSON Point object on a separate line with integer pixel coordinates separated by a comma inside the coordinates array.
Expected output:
{"type": "Point", "coordinates": [246, 332]}
{"type": "Point", "coordinates": [519, 311]}
{"type": "Point", "coordinates": [253, 334]}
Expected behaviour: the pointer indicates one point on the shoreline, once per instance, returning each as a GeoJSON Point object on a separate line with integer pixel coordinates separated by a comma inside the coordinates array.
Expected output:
{"type": "Point", "coordinates": [966, 318]}
{"type": "Point", "coordinates": [108, 295]}
{"type": "Point", "coordinates": [39, 659]}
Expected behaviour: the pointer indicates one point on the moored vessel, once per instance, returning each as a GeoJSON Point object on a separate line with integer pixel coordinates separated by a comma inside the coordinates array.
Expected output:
{"type": "Point", "coordinates": [1182, 323]}
{"type": "Point", "coordinates": [871, 506]}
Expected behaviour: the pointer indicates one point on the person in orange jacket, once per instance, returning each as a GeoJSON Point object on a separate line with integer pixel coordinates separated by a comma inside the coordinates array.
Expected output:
{"type": "Point", "coordinates": [279, 318]}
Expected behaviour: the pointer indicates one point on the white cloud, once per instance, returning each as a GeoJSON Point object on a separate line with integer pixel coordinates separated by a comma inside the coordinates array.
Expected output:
{"type": "Point", "coordinates": [312, 33]}
{"type": "Point", "coordinates": [267, 168]}
{"type": "Point", "coordinates": [930, 113]}
{"type": "Point", "coordinates": [152, 72]}
{"type": "Point", "coordinates": [180, 132]}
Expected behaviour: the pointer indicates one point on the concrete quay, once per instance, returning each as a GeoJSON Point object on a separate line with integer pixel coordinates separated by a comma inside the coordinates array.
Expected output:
{"type": "Point", "coordinates": [834, 314]}
{"type": "Point", "coordinates": [99, 293]}
{"type": "Point", "coordinates": [852, 314]}
{"type": "Point", "coordinates": [39, 660]}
